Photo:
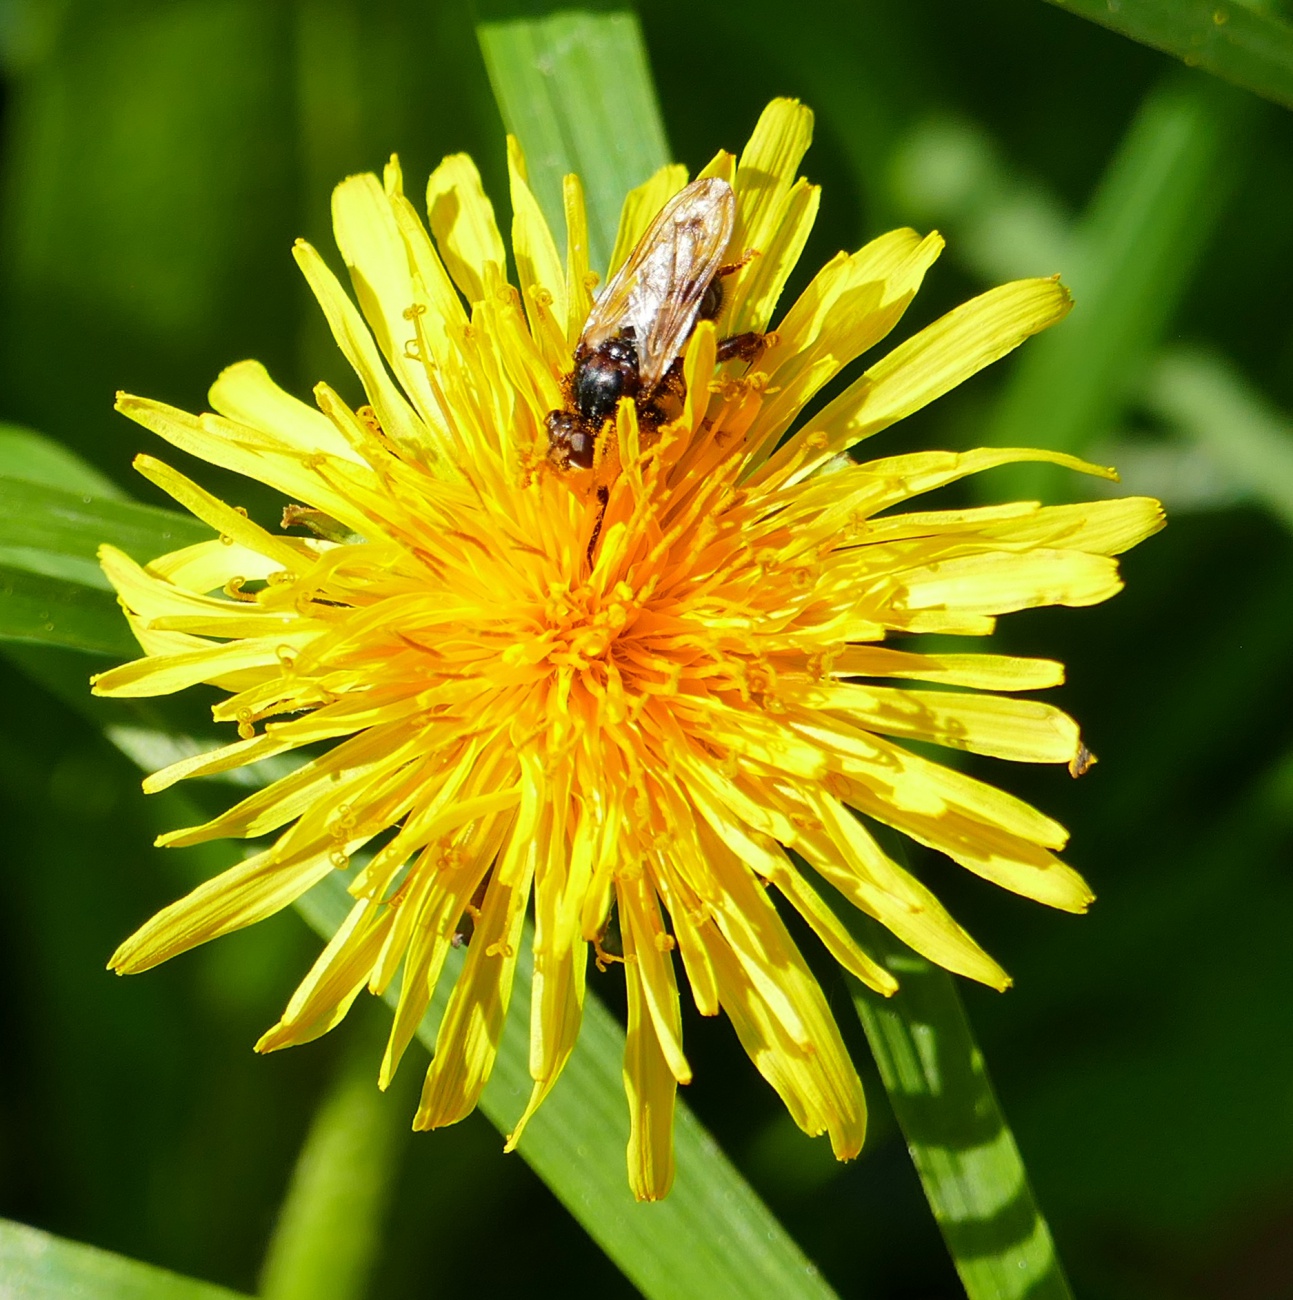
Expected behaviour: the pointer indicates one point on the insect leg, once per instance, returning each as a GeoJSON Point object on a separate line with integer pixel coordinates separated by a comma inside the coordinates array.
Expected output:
{"type": "Point", "coordinates": [603, 496]}
{"type": "Point", "coordinates": [712, 303]}
{"type": "Point", "coordinates": [744, 347]}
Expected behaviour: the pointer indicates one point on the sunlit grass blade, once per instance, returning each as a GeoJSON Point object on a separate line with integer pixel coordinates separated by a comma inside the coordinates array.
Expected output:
{"type": "Point", "coordinates": [329, 1227]}
{"type": "Point", "coordinates": [711, 1236]}
{"type": "Point", "coordinates": [963, 1149]}
{"type": "Point", "coordinates": [1136, 250]}
{"type": "Point", "coordinates": [1235, 41]}
{"type": "Point", "coordinates": [36, 1265]}
{"type": "Point", "coordinates": [561, 80]}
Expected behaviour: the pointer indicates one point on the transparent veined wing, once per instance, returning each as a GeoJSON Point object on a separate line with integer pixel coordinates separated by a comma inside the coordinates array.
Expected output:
{"type": "Point", "coordinates": [658, 291]}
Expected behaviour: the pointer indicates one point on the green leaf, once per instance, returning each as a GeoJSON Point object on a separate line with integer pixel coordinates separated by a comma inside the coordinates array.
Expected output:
{"type": "Point", "coordinates": [1235, 41]}
{"type": "Point", "coordinates": [48, 609]}
{"type": "Point", "coordinates": [36, 1265]}
{"type": "Point", "coordinates": [329, 1226]}
{"type": "Point", "coordinates": [52, 591]}
{"type": "Point", "coordinates": [963, 1149]}
{"type": "Point", "coordinates": [33, 458]}
{"type": "Point", "coordinates": [711, 1236]}
{"type": "Point", "coordinates": [1137, 249]}
{"type": "Point", "coordinates": [75, 523]}
{"type": "Point", "coordinates": [575, 89]}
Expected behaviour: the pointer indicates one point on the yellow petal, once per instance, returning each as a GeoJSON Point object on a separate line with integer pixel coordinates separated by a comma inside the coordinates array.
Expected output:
{"type": "Point", "coordinates": [755, 290]}
{"type": "Point", "coordinates": [1097, 527]}
{"type": "Point", "coordinates": [560, 956]}
{"type": "Point", "coordinates": [289, 797]}
{"type": "Point", "coordinates": [166, 674]}
{"type": "Point", "coordinates": [538, 267]}
{"type": "Point", "coordinates": [432, 921]}
{"type": "Point", "coordinates": [775, 213]}
{"type": "Point", "coordinates": [983, 672]}
{"type": "Point", "coordinates": [325, 995]}
{"type": "Point", "coordinates": [855, 864]}
{"type": "Point", "coordinates": [931, 363]}
{"type": "Point", "coordinates": [473, 1021]}
{"type": "Point", "coordinates": [830, 930]}
{"type": "Point", "coordinates": [650, 1087]}
{"type": "Point", "coordinates": [377, 257]}
{"type": "Point", "coordinates": [1004, 859]}
{"type": "Point", "coordinates": [228, 522]}
{"type": "Point", "coordinates": [684, 914]}
{"type": "Point", "coordinates": [238, 897]}
{"type": "Point", "coordinates": [818, 1084]}
{"type": "Point", "coordinates": [556, 1013]}
{"type": "Point", "coordinates": [647, 946]}
{"type": "Point", "coordinates": [912, 783]}
{"type": "Point", "coordinates": [462, 221]}
{"type": "Point", "coordinates": [579, 297]}
{"type": "Point", "coordinates": [850, 306]}
{"type": "Point", "coordinates": [445, 314]}
{"type": "Point", "coordinates": [1025, 731]}
{"type": "Point", "coordinates": [274, 462]}
{"type": "Point", "coordinates": [208, 566]}
{"type": "Point", "coordinates": [244, 392]}
{"type": "Point", "coordinates": [356, 343]}
{"type": "Point", "coordinates": [768, 167]}
{"type": "Point", "coordinates": [999, 582]}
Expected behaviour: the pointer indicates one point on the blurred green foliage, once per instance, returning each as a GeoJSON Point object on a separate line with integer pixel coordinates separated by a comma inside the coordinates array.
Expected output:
{"type": "Point", "coordinates": [158, 158]}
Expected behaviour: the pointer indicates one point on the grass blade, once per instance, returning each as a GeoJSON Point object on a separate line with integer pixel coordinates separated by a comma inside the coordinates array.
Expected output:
{"type": "Point", "coordinates": [1137, 249]}
{"type": "Point", "coordinates": [329, 1227]}
{"type": "Point", "coordinates": [36, 1265]}
{"type": "Point", "coordinates": [1201, 395]}
{"type": "Point", "coordinates": [1234, 41]}
{"type": "Point", "coordinates": [37, 517]}
{"type": "Point", "coordinates": [711, 1236]}
{"type": "Point", "coordinates": [46, 608]}
{"type": "Point", "coordinates": [34, 458]}
{"type": "Point", "coordinates": [575, 88]}
{"type": "Point", "coordinates": [963, 1149]}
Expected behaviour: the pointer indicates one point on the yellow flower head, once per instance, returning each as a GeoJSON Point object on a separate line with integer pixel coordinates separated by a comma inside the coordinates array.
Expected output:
{"type": "Point", "coordinates": [632, 690]}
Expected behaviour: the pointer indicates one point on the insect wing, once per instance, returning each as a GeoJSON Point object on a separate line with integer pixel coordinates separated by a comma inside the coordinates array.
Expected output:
{"type": "Point", "coordinates": [658, 291]}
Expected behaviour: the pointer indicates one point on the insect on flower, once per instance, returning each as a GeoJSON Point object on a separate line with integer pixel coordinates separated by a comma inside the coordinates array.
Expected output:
{"type": "Point", "coordinates": [640, 323]}
{"type": "Point", "coordinates": [654, 750]}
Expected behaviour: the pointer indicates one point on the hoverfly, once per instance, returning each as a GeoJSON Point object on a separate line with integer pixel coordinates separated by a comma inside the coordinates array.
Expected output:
{"type": "Point", "coordinates": [640, 322]}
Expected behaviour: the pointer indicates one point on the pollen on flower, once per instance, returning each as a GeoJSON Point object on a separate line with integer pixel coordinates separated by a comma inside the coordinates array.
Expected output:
{"type": "Point", "coordinates": [563, 709]}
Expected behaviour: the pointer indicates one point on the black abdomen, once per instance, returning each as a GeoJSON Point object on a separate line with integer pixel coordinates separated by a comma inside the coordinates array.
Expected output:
{"type": "Point", "coordinates": [603, 376]}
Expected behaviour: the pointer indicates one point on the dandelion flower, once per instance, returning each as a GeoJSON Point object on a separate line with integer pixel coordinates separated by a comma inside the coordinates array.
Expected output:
{"type": "Point", "coordinates": [655, 688]}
